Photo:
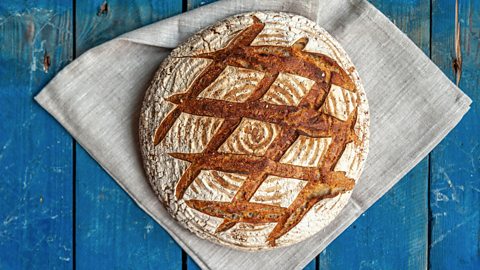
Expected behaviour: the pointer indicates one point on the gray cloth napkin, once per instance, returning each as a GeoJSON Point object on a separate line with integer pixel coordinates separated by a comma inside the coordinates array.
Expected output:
{"type": "Point", "coordinates": [413, 105]}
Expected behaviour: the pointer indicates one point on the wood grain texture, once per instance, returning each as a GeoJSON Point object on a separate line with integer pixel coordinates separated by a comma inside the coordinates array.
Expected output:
{"type": "Point", "coordinates": [112, 232]}
{"type": "Point", "coordinates": [36, 190]}
{"type": "Point", "coordinates": [35, 151]}
{"type": "Point", "coordinates": [455, 168]}
{"type": "Point", "coordinates": [392, 234]}
{"type": "Point", "coordinates": [101, 20]}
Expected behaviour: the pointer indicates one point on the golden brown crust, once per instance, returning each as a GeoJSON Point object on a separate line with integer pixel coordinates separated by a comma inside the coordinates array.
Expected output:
{"type": "Point", "coordinates": [241, 119]}
{"type": "Point", "coordinates": [304, 119]}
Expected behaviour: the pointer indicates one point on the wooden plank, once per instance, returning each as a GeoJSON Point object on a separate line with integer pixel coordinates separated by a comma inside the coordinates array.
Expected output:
{"type": "Point", "coordinates": [100, 20]}
{"type": "Point", "coordinates": [392, 234]}
{"type": "Point", "coordinates": [35, 151]}
{"type": "Point", "coordinates": [111, 231]}
{"type": "Point", "coordinates": [455, 163]}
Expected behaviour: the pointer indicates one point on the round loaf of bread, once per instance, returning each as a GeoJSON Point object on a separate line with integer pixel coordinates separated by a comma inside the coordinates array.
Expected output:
{"type": "Point", "coordinates": [255, 130]}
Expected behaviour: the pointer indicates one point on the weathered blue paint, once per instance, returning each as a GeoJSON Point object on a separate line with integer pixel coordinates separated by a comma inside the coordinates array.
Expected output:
{"type": "Point", "coordinates": [312, 265]}
{"type": "Point", "coordinates": [455, 169]}
{"type": "Point", "coordinates": [111, 231]}
{"type": "Point", "coordinates": [99, 20]}
{"type": "Point", "coordinates": [392, 234]}
{"type": "Point", "coordinates": [35, 151]}
{"type": "Point", "coordinates": [191, 265]}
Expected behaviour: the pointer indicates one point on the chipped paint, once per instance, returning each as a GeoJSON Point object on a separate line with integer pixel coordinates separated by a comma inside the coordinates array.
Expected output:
{"type": "Point", "coordinates": [34, 40]}
{"type": "Point", "coordinates": [457, 61]}
{"type": "Point", "coordinates": [103, 9]}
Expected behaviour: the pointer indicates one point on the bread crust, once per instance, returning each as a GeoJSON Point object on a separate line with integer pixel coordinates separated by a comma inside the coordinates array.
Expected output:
{"type": "Point", "coordinates": [255, 130]}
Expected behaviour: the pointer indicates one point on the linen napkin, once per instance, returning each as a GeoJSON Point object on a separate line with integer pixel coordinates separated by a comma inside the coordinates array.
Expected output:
{"type": "Point", "coordinates": [413, 105]}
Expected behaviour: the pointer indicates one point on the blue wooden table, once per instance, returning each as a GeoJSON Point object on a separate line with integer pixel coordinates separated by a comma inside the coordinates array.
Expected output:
{"type": "Point", "coordinates": [59, 209]}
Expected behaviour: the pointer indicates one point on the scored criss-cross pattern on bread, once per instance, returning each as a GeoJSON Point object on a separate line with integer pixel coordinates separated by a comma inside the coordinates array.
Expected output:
{"type": "Point", "coordinates": [305, 119]}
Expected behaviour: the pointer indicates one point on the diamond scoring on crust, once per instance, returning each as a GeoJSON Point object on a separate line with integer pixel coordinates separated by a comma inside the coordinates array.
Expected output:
{"type": "Point", "coordinates": [305, 119]}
